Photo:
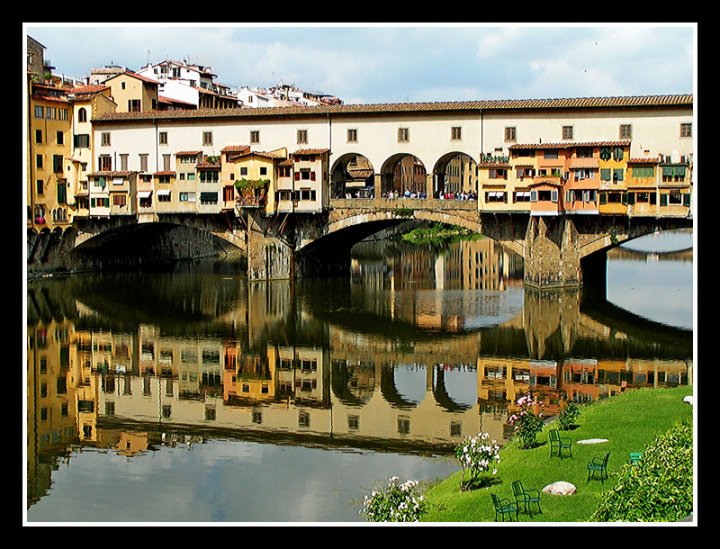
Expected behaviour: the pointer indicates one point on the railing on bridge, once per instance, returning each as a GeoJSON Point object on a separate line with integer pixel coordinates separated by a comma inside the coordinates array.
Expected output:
{"type": "Point", "coordinates": [404, 203]}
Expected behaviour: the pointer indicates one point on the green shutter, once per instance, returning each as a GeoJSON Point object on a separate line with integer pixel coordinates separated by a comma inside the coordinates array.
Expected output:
{"type": "Point", "coordinates": [667, 171]}
{"type": "Point", "coordinates": [624, 198]}
{"type": "Point", "coordinates": [603, 198]}
{"type": "Point", "coordinates": [680, 171]}
{"type": "Point", "coordinates": [686, 199]}
{"type": "Point", "coordinates": [663, 199]}
{"type": "Point", "coordinates": [605, 174]}
{"type": "Point", "coordinates": [631, 198]}
{"type": "Point", "coordinates": [618, 174]}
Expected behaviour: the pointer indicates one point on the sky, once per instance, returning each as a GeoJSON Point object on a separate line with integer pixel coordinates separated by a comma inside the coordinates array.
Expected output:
{"type": "Point", "coordinates": [388, 63]}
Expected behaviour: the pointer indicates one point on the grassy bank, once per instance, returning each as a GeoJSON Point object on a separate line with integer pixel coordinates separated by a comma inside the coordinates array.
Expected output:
{"type": "Point", "coordinates": [629, 422]}
{"type": "Point", "coordinates": [438, 234]}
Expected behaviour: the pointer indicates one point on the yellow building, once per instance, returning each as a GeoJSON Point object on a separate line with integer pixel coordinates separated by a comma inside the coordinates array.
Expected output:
{"type": "Point", "coordinates": [254, 176]}
{"type": "Point", "coordinates": [674, 185]}
{"type": "Point", "coordinates": [642, 186]}
{"type": "Point", "coordinates": [87, 102]}
{"type": "Point", "coordinates": [133, 93]}
{"type": "Point", "coordinates": [50, 139]}
{"type": "Point", "coordinates": [612, 194]}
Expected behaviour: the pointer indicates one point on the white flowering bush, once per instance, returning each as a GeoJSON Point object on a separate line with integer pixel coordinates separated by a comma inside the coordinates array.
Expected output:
{"type": "Point", "coordinates": [398, 502]}
{"type": "Point", "coordinates": [477, 454]}
{"type": "Point", "coordinates": [527, 424]}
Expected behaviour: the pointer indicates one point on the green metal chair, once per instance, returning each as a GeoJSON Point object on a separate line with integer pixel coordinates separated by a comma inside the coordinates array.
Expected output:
{"type": "Point", "coordinates": [599, 466]}
{"type": "Point", "coordinates": [526, 498]}
{"type": "Point", "coordinates": [634, 458]}
{"type": "Point", "coordinates": [559, 443]}
{"type": "Point", "coordinates": [504, 506]}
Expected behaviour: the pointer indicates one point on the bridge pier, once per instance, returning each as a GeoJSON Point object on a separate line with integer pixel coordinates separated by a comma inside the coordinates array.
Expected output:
{"type": "Point", "coordinates": [269, 257]}
{"type": "Point", "coordinates": [552, 253]}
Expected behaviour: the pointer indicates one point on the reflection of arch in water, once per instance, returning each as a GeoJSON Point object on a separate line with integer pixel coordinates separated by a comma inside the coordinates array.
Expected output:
{"type": "Point", "coordinates": [442, 395]}
{"type": "Point", "coordinates": [353, 384]}
{"type": "Point", "coordinates": [390, 391]}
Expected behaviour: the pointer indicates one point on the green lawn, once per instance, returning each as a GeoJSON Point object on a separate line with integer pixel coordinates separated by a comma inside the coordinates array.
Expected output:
{"type": "Point", "coordinates": [629, 421]}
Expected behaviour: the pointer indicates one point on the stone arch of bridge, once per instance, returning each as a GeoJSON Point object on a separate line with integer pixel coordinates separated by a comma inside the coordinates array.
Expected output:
{"type": "Point", "coordinates": [455, 172]}
{"type": "Point", "coordinates": [351, 173]}
{"type": "Point", "coordinates": [401, 172]}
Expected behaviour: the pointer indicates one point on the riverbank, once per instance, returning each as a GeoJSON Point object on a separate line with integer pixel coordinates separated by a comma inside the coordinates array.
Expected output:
{"type": "Point", "coordinates": [629, 422]}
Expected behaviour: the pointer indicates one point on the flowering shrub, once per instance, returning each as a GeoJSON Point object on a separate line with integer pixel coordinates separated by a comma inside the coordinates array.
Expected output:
{"type": "Point", "coordinates": [526, 423]}
{"type": "Point", "coordinates": [398, 502]}
{"type": "Point", "coordinates": [568, 415]}
{"type": "Point", "coordinates": [477, 454]}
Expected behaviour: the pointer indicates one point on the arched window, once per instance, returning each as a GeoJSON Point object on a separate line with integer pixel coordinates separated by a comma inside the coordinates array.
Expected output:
{"type": "Point", "coordinates": [82, 115]}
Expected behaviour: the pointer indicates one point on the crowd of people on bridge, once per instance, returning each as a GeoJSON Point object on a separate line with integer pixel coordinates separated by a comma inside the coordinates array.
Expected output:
{"type": "Point", "coordinates": [391, 195]}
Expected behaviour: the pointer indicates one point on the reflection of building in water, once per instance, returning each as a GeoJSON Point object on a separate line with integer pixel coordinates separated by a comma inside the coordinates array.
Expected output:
{"type": "Point", "coordinates": [501, 382]}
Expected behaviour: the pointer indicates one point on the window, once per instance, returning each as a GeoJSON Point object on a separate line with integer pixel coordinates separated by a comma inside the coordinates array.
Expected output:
{"type": "Point", "coordinates": [166, 162]}
{"type": "Point", "coordinates": [38, 161]}
{"type": "Point", "coordinates": [353, 422]}
{"type": "Point", "coordinates": [39, 112]}
{"type": "Point", "coordinates": [403, 135]}
{"type": "Point", "coordinates": [255, 136]}
{"type": "Point", "coordinates": [143, 162]}
{"type": "Point", "coordinates": [105, 138]}
{"type": "Point", "coordinates": [567, 132]}
{"type": "Point", "coordinates": [498, 173]}
{"type": "Point", "coordinates": [643, 171]}
{"type": "Point", "coordinates": [456, 133]}
{"type": "Point", "coordinates": [303, 419]}
{"type": "Point", "coordinates": [510, 134]}
{"type": "Point", "coordinates": [57, 163]}
{"type": "Point", "coordinates": [625, 131]}
{"type": "Point", "coordinates": [60, 138]}
{"type": "Point", "coordinates": [618, 174]}
{"type": "Point", "coordinates": [208, 198]}
{"type": "Point", "coordinates": [122, 85]}
{"type": "Point", "coordinates": [39, 186]}
{"type": "Point", "coordinates": [124, 162]}
{"type": "Point", "coordinates": [163, 138]}
{"type": "Point", "coordinates": [38, 136]}
{"type": "Point", "coordinates": [105, 163]}
{"type": "Point", "coordinates": [207, 138]}
{"type": "Point", "coordinates": [62, 192]}
{"type": "Point", "coordinates": [119, 200]}
{"type": "Point", "coordinates": [686, 130]}
{"type": "Point", "coordinates": [163, 196]}
{"type": "Point", "coordinates": [605, 174]}
{"type": "Point", "coordinates": [82, 141]}
{"type": "Point", "coordinates": [50, 113]}
{"type": "Point", "coordinates": [63, 114]}
{"type": "Point", "coordinates": [82, 115]}
{"type": "Point", "coordinates": [166, 411]}
{"type": "Point", "coordinates": [263, 170]}
{"type": "Point", "coordinates": [352, 136]}
{"type": "Point", "coordinates": [301, 136]}
{"type": "Point", "coordinates": [617, 153]}
{"type": "Point", "coordinates": [551, 153]}
{"type": "Point", "coordinates": [403, 425]}
{"type": "Point", "coordinates": [228, 193]}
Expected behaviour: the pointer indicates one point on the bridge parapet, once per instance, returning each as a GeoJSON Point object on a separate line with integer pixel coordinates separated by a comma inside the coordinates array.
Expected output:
{"type": "Point", "coordinates": [432, 204]}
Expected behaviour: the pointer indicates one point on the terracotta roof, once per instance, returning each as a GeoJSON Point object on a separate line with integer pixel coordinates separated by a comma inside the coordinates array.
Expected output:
{"type": "Point", "coordinates": [170, 100]}
{"type": "Point", "coordinates": [52, 98]}
{"type": "Point", "coordinates": [551, 183]}
{"type": "Point", "coordinates": [310, 151]}
{"type": "Point", "coordinates": [135, 75]}
{"type": "Point", "coordinates": [235, 148]}
{"type": "Point", "coordinates": [92, 88]}
{"type": "Point", "coordinates": [646, 101]}
{"type": "Point", "coordinates": [208, 166]}
{"type": "Point", "coordinates": [166, 172]}
{"type": "Point", "coordinates": [286, 162]}
{"type": "Point", "coordinates": [571, 145]}
{"type": "Point", "coordinates": [360, 173]}
{"type": "Point", "coordinates": [188, 153]}
{"type": "Point", "coordinates": [645, 160]}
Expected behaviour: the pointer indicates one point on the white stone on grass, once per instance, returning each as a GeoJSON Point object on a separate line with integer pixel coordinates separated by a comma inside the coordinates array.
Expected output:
{"type": "Point", "coordinates": [689, 399]}
{"type": "Point", "coordinates": [560, 488]}
{"type": "Point", "coordinates": [592, 441]}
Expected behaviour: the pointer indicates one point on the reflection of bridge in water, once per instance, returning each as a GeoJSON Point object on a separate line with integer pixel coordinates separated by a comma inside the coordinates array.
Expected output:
{"type": "Point", "coordinates": [267, 364]}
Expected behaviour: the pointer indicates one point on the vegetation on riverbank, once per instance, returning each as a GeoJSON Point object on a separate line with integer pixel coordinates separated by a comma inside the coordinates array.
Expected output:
{"type": "Point", "coordinates": [636, 421]}
{"type": "Point", "coordinates": [439, 233]}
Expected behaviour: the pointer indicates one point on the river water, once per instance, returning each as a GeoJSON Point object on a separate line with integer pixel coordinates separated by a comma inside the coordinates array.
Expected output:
{"type": "Point", "coordinates": [192, 396]}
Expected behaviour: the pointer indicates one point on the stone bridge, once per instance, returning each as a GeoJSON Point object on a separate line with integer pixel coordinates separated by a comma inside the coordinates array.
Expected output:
{"type": "Point", "coordinates": [558, 251]}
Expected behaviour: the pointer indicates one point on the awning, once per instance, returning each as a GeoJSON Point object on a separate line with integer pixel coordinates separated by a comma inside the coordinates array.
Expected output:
{"type": "Point", "coordinates": [522, 193]}
{"type": "Point", "coordinates": [118, 180]}
{"type": "Point", "coordinates": [497, 194]}
{"type": "Point", "coordinates": [164, 193]}
{"type": "Point", "coordinates": [144, 194]}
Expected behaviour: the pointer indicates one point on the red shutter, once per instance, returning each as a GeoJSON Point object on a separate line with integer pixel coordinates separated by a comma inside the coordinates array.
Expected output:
{"type": "Point", "coordinates": [297, 176]}
{"type": "Point", "coordinates": [312, 176]}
